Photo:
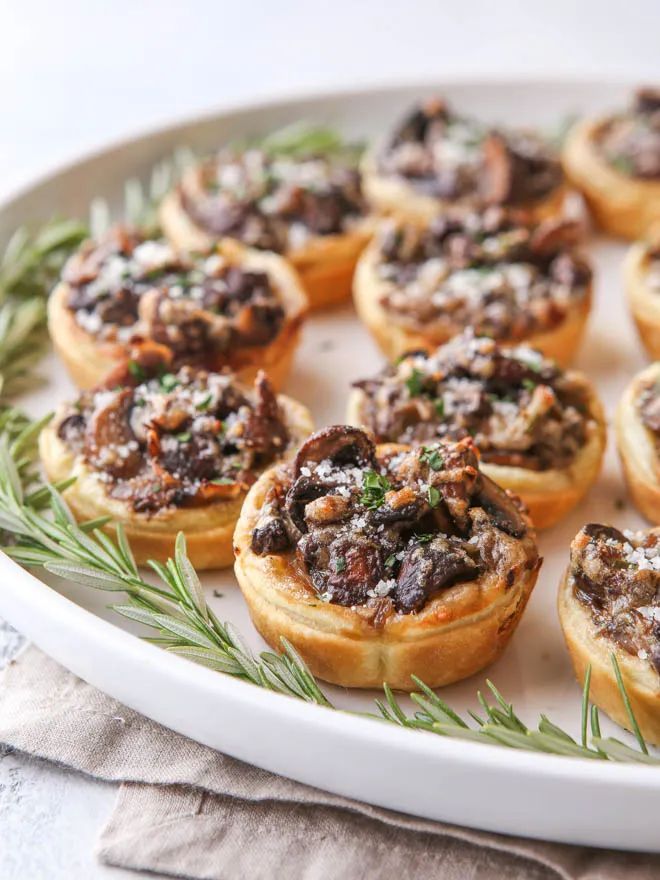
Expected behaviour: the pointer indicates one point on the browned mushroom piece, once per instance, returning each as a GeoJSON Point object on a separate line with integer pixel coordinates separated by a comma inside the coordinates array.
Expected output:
{"type": "Point", "coordinates": [146, 360]}
{"type": "Point", "coordinates": [497, 181]}
{"type": "Point", "coordinates": [551, 235]}
{"type": "Point", "coordinates": [500, 506]}
{"type": "Point", "coordinates": [110, 443]}
{"type": "Point", "coordinates": [428, 568]}
{"type": "Point", "coordinates": [339, 444]}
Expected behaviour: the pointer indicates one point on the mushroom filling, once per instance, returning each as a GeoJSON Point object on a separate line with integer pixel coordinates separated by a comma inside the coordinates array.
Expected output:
{"type": "Point", "coordinates": [504, 278]}
{"type": "Point", "coordinates": [616, 575]}
{"type": "Point", "coordinates": [274, 202]}
{"type": "Point", "coordinates": [648, 409]}
{"type": "Point", "coordinates": [453, 157]}
{"type": "Point", "coordinates": [126, 287]}
{"type": "Point", "coordinates": [630, 141]}
{"type": "Point", "coordinates": [158, 439]}
{"type": "Point", "coordinates": [521, 409]}
{"type": "Point", "coordinates": [388, 528]}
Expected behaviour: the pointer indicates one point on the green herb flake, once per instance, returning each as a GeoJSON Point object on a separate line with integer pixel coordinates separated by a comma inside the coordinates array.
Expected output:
{"type": "Point", "coordinates": [415, 382]}
{"type": "Point", "coordinates": [424, 538]}
{"type": "Point", "coordinates": [156, 487]}
{"type": "Point", "coordinates": [168, 381]}
{"type": "Point", "coordinates": [340, 564]}
{"type": "Point", "coordinates": [206, 402]}
{"type": "Point", "coordinates": [182, 437]}
{"type": "Point", "coordinates": [374, 487]}
{"type": "Point", "coordinates": [136, 371]}
{"type": "Point", "coordinates": [223, 481]}
{"type": "Point", "coordinates": [432, 458]}
{"type": "Point", "coordinates": [433, 496]}
{"type": "Point", "coordinates": [390, 562]}
{"type": "Point", "coordinates": [439, 405]}
{"type": "Point", "coordinates": [529, 384]}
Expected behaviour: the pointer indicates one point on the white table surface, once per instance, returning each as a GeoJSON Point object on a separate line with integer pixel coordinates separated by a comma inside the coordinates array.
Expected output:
{"type": "Point", "coordinates": [80, 72]}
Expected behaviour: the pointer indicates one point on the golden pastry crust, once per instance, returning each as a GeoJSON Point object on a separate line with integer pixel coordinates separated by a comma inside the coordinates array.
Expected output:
{"type": "Point", "coordinates": [395, 197]}
{"type": "Point", "coordinates": [636, 446]}
{"type": "Point", "coordinates": [622, 205]}
{"type": "Point", "coordinates": [551, 494]}
{"type": "Point", "coordinates": [454, 635]}
{"type": "Point", "coordinates": [325, 263]}
{"type": "Point", "coordinates": [644, 303]}
{"type": "Point", "coordinates": [396, 339]}
{"type": "Point", "coordinates": [587, 648]}
{"type": "Point", "coordinates": [89, 359]}
{"type": "Point", "coordinates": [208, 529]}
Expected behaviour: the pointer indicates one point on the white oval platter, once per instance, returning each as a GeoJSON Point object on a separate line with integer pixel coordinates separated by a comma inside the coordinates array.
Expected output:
{"type": "Point", "coordinates": [481, 786]}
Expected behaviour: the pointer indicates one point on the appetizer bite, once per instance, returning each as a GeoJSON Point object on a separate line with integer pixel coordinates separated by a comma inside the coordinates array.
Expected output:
{"type": "Point", "coordinates": [615, 162]}
{"type": "Point", "coordinates": [235, 307]}
{"type": "Point", "coordinates": [163, 452]}
{"type": "Point", "coordinates": [304, 203]}
{"type": "Point", "coordinates": [382, 562]}
{"type": "Point", "coordinates": [609, 603]}
{"type": "Point", "coordinates": [638, 440]}
{"type": "Point", "coordinates": [540, 431]}
{"type": "Point", "coordinates": [641, 275]}
{"type": "Point", "coordinates": [418, 286]}
{"type": "Point", "coordinates": [435, 158]}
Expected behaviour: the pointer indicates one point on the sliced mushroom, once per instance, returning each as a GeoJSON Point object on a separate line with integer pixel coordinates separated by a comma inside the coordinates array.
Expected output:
{"type": "Point", "coordinates": [340, 444]}
{"type": "Point", "coordinates": [500, 507]}
{"type": "Point", "coordinates": [553, 234]}
{"type": "Point", "coordinates": [303, 490]}
{"type": "Point", "coordinates": [110, 443]}
{"type": "Point", "coordinates": [497, 181]}
{"type": "Point", "coordinates": [427, 568]}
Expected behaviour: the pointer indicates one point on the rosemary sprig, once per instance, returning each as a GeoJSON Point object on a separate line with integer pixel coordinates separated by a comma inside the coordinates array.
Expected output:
{"type": "Point", "coordinates": [44, 533]}
{"type": "Point", "coordinates": [302, 139]}
{"type": "Point", "coordinates": [29, 267]}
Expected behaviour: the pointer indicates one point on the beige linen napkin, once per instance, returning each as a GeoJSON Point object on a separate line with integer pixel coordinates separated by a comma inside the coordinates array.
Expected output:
{"type": "Point", "coordinates": [186, 810]}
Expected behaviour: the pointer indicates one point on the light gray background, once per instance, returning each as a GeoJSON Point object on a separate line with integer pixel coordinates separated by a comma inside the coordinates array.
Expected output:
{"type": "Point", "coordinates": [76, 74]}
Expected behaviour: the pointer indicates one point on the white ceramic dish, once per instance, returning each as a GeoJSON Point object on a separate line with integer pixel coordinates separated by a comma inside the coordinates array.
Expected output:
{"type": "Point", "coordinates": [482, 786]}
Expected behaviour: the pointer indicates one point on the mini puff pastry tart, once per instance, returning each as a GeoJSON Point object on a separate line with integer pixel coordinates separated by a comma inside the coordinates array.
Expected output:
{"type": "Point", "coordinates": [306, 206]}
{"type": "Point", "coordinates": [418, 286]}
{"type": "Point", "coordinates": [641, 275]}
{"type": "Point", "coordinates": [540, 430]}
{"type": "Point", "coordinates": [435, 159]}
{"type": "Point", "coordinates": [382, 562]}
{"type": "Point", "coordinates": [609, 603]}
{"type": "Point", "coordinates": [638, 440]}
{"type": "Point", "coordinates": [615, 162]}
{"type": "Point", "coordinates": [236, 307]}
{"type": "Point", "coordinates": [163, 452]}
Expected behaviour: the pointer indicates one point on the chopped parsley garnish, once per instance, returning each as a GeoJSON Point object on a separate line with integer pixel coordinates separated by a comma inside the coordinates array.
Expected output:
{"type": "Point", "coordinates": [374, 487]}
{"type": "Point", "coordinates": [415, 382]}
{"type": "Point", "coordinates": [223, 481]}
{"type": "Point", "coordinates": [424, 538]}
{"type": "Point", "coordinates": [529, 384]}
{"type": "Point", "coordinates": [168, 381]}
{"type": "Point", "coordinates": [432, 458]}
{"type": "Point", "coordinates": [136, 371]}
{"type": "Point", "coordinates": [433, 496]}
{"type": "Point", "coordinates": [622, 163]}
{"type": "Point", "coordinates": [156, 487]}
{"type": "Point", "coordinates": [340, 564]}
{"type": "Point", "coordinates": [183, 437]}
{"type": "Point", "coordinates": [204, 404]}
{"type": "Point", "coordinates": [390, 562]}
{"type": "Point", "coordinates": [439, 405]}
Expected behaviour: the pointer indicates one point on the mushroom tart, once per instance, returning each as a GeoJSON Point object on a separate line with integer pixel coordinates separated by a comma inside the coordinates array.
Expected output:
{"type": "Point", "coordinates": [163, 452]}
{"type": "Point", "coordinates": [638, 440]}
{"type": "Point", "coordinates": [435, 158]}
{"type": "Point", "coordinates": [641, 273]}
{"type": "Point", "coordinates": [418, 286]}
{"type": "Point", "coordinates": [540, 430]}
{"type": "Point", "coordinates": [305, 205]}
{"type": "Point", "coordinates": [382, 562]}
{"type": "Point", "coordinates": [615, 162]}
{"type": "Point", "coordinates": [609, 602]}
{"type": "Point", "coordinates": [235, 307]}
